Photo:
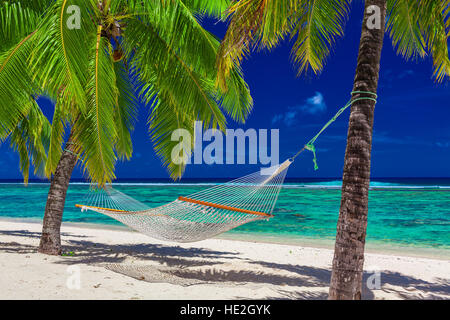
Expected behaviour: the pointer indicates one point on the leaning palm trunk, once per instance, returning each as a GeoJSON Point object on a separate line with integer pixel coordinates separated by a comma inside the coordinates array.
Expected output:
{"type": "Point", "coordinates": [51, 238]}
{"type": "Point", "coordinates": [346, 278]}
{"type": "Point", "coordinates": [88, 67]}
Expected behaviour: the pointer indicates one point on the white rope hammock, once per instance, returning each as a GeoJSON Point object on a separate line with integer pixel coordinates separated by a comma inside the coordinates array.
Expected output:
{"type": "Point", "coordinates": [210, 212]}
{"type": "Point", "coordinates": [201, 215]}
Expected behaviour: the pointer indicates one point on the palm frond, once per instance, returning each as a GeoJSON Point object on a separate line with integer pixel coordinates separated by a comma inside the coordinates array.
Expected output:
{"type": "Point", "coordinates": [126, 112]}
{"type": "Point", "coordinates": [169, 113]}
{"type": "Point", "coordinates": [17, 20]}
{"type": "Point", "coordinates": [164, 119]}
{"type": "Point", "coordinates": [59, 60]}
{"type": "Point", "coordinates": [170, 24]}
{"type": "Point", "coordinates": [16, 86]}
{"type": "Point", "coordinates": [39, 6]}
{"type": "Point", "coordinates": [174, 58]}
{"type": "Point", "coordinates": [253, 23]}
{"type": "Point", "coordinates": [165, 53]}
{"type": "Point", "coordinates": [95, 131]}
{"type": "Point", "coordinates": [446, 15]}
{"type": "Point", "coordinates": [319, 23]}
{"type": "Point", "coordinates": [236, 100]}
{"type": "Point", "coordinates": [60, 118]}
{"type": "Point", "coordinates": [404, 29]}
{"type": "Point", "coordinates": [434, 23]}
{"type": "Point", "coordinates": [119, 7]}
{"type": "Point", "coordinates": [163, 67]}
{"type": "Point", "coordinates": [439, 51]}
{"type": "Point", "coordinates": [210, 8]}
{"type": "Point", "coordinates": [30, 138]}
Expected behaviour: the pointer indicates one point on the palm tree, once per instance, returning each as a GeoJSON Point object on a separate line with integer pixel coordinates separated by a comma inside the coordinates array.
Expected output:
{"type": "Point", "coordinates": [97, 68]}
{"type": "Point", "coordinates": [417, 28]}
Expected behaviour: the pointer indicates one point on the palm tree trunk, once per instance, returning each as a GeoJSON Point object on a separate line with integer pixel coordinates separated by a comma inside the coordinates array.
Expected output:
{"type": "Point", "coordinates": [348, 261]}
{"type": "Point", "coordinates": [50, 238]}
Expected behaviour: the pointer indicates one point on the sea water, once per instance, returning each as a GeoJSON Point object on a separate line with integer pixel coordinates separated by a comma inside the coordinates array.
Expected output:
{"type": "Point", "coordinates": [408, 213]}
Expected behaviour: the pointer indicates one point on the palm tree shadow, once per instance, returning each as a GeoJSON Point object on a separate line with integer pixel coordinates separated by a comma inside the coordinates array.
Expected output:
{"type": "Point", "coordinates": [243, 276]}
{"type": "Point", "coordinates": [205, 266]}
{"type": "Point", "coordinates": [320, 275]}
{"type": "Point", "coordinates": [35, 235]}
{"type": "Point", "coordinates": [407, 287]}
{"type": "Point", "coordinates": [88, 252]}
{"type": "Point", "coordinates": [296, 295]}
{"type": "Point", "coordinates": [400, 285]}
{"type": "Point", "coordinates": [299, 276]}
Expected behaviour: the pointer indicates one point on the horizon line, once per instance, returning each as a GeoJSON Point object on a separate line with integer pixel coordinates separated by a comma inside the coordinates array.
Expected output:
{"type": "Point", "coordinates": [221, 178]}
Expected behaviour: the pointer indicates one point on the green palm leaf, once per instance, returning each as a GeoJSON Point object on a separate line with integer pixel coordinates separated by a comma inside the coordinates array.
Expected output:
{"type": "Point", "coordinates": [421, 28]}
{"type": "Point", "coordinates": [95, 131]}
{"type": "Point", "coordinates": [16, 86]}
{"type": "Point", "coordinates": [253, 23]}
{"type": "Point", "coordinates": [156, 48]}
{"type": "Point", "coordinates": [17, 21]}
{"type": "Point", "coordinates": [164, 119]}
{"type": "Point", "coordinates": [188, 87]}
{"type": "Point", "coordinates": [434, 20]}
{"type": "Point", "coordinates": [170, 25]}
{"type": "Point", "coordinates": [60, 118]}
{"type": "Point", "coordinates": [126, 112]}
{"type": "Point", "coordinates": [215, 8]}
{"type": "Point", "coordinates": [319, 24]}
{"type": "Point", "coordinates": [404, 29]}
{"type": "Point", "coordinates": [59, 60]}
{"type": "Point", "coordinates": [37, 5]}
{"type": "Point", "coordinates": [30, 139]}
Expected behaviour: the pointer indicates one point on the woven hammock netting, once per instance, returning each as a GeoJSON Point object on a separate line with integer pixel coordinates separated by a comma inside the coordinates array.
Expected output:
{"type": "Point", "coordinates": [201, 215]}
{"type": "Point", "coordinates": [210, 212]}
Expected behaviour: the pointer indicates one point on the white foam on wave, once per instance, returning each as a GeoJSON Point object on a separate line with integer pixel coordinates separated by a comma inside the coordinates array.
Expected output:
{"type": "Point", "coordinates": [288, 185]}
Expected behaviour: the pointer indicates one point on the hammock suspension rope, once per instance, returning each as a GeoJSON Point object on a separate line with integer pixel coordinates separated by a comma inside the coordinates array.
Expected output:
{"type": "Point", "coordinates": [211, 211]}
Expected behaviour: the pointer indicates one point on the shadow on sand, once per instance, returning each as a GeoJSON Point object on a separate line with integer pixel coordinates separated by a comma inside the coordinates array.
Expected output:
{"type": "Point", "coordinates": [197, 266]}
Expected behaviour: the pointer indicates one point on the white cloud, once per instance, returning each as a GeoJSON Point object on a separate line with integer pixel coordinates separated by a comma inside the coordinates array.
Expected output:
{"type": "Point", "coordinates": [443, 144]}
{"type": "Point", "coordinates": [406, 73]}
{"type": "Point", "coordinates": [312, 106]}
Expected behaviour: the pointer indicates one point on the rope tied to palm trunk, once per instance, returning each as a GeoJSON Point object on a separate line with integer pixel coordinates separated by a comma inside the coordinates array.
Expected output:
{"type": "Point", "coordinates": [68, 144]}
{"type": "Point", "coordinates": [310, 146]}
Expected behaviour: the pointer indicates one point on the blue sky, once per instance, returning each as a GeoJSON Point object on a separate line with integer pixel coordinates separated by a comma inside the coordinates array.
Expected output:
{"type": "Point", "coordinates": [411, 131]}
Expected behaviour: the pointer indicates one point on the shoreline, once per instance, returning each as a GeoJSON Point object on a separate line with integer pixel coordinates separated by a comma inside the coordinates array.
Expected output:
{"type": "Point", "coordinates": [316, 243]}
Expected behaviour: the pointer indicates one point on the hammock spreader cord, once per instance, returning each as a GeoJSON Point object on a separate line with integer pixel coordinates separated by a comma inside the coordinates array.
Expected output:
{"type": "Point", "coordinates": [310, 145]}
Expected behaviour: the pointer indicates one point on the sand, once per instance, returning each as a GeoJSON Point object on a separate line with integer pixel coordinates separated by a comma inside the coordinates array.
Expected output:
{"type": "Point", "coordinates": [119, 264]}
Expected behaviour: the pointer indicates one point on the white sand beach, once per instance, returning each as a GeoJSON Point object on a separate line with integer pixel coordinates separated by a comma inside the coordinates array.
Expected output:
{"type": "Point", "coordinates": [116, 264]}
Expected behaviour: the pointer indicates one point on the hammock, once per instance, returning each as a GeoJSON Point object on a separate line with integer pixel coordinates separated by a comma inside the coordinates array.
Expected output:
{"type": "Point", "coordinates": [199, 216]}
{"type": "Point", "coordinates": [207, 213]}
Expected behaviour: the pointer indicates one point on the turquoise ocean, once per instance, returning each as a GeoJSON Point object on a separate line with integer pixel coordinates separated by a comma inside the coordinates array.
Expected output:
{"type": "Point", "coordinates": [411, 214]}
